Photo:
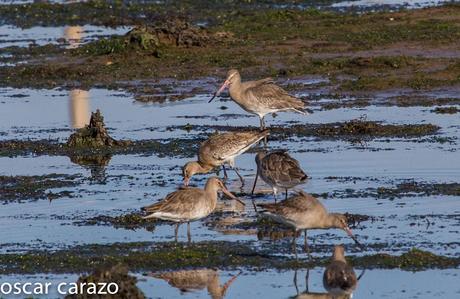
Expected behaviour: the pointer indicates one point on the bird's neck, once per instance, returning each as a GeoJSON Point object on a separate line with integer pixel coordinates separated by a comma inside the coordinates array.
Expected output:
{"type": "Point", "coordinates": [235, 90]}
{"type": "Point", "coordinates": [339, 257]}
{"type": "Point", "coordinates": [331, 221]}
{"type": "Point", "coordinates": [211, 191]}
{"type": "Point", "coordinates": [203, 168]}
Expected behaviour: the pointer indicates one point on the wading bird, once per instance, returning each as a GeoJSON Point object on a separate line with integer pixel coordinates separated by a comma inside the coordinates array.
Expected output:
{"type": "Point", "coordinates": [188, 204]}
{"type": "Point", "coordinates": [339, 278]}
{"type": "Point", "coordinates": [259, 97]}
{"type": "Point", "coordinates": [279, 170]}
{"type": "Point", "coordinates": [222, 149]}
{"type": "Point", "coordinates": [302, 212]}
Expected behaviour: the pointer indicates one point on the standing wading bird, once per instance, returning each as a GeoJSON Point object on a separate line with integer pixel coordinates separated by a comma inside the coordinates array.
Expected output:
{"type": "Point", "coordinates": [339, 278]}
{"type": "Point", "coordinates": [259, 97]}
{"type": "Point", "coordinates": [303, 211]}
{"type": "Point", "coordinates": [220, 149]}
{"type": "Point", "coordinates": [188, 204]}
{"type": "Point", "coordinates": [279, 170]}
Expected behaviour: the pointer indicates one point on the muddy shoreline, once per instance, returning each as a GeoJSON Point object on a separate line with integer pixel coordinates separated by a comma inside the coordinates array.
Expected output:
{"type": "Point", "coordinates": [379, 145]}
{"type": "Point", "coordinates": [298, 43]}
{"type": "Point", "coordinates": [223, 255]}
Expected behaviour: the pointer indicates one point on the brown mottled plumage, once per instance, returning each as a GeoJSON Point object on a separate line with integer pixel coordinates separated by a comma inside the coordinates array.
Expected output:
{"type": "Point", "coordinates": [259, 97]}
{"type": "Point", "coordinates": [220, 149]}
{"type": "Point", "coordinates": [279, 170]}
{"type": "Point", "coordinates": [339, 277]}
{"type": "Point", "coordinates": [191, 280]}
{"type": "Point", "coordinates": [303, 211]}
{"type": "Point", "coordinates": [188, 204]}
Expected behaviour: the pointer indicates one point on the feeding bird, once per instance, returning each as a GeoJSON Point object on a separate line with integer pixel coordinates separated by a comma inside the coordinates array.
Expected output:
{"type": "Point", "coordinates": [302, 212]}
{"type": "Point", "coordinates": [221, 149]}
{"type": "Point", "coordinates": [188, 204]}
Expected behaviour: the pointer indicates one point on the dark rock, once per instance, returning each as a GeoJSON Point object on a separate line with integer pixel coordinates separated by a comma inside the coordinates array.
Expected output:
{"type": "Point", "coordinates": [117, 274]}
{"type": "Point", "coordinates": [94, 135]}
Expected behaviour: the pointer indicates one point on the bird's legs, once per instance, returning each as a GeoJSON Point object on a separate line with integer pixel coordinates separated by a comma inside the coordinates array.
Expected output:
{"type": "Point", "coordinates": [176, 231]}
{"type": "Point", "coordinates": [262, 123]}
{"type": "Point", "coordinates": [225, 172]}
{"type": "Point", "coordinates": [189, 235]}
{"type": "Point", "coordinates": [239, 175]}
{"type": "Point", "coordinates": [286, 194]}
{"type": "Point", "coordinates": [294, 244]}
{"type": "Point", "coordinates": [262, 127]}
{"type": "Point", "coordinates": [255, 183]}
{"type": "Point", "coordinates": [295, 281]}
{"type": "Point", "coordinates": [275, 191]}
{"type": "Point", "coordinates": [305, 244]}
{"type": "Point", "coordinates": [306, 280]}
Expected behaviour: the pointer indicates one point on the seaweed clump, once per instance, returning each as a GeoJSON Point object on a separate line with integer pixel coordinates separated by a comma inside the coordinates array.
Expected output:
{"type": "Point", "coordinates": [362, 127]}
{"type": "Point", "coordinates": [153, 39]}
{"type": "Point", "coordinates": [117, 274]}
{"type": "Point", "coordinates": [174, 32]}
{"type": "Point", "coordinates": [94, 135]}
{"type": "Point", "coordinates": [446, 110]}
{"type": "Point", "coordinates": [128, 221]}
{"type": "Point", "coordinates": [414, 259]}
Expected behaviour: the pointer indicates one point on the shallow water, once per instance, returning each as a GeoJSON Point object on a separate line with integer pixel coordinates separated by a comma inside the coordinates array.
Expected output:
{"type": "Point", "coordinates": [280, 284]}
{"type": "Point", "coordinates": [68, 36]}
{"type": "Point", "coordinates": [132, 181]}
{"type": "Point", "coordinates": [128, 182]}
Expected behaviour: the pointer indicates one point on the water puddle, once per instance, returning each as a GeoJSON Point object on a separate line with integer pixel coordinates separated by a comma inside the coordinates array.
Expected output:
{"type": "Point", "coordinates": [67, 36]}
{"type": "Point", "coordinates": [212, 283]}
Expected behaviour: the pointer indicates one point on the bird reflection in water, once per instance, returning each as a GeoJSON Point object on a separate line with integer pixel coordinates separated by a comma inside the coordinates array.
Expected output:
{"type": "Point", "coordinates": [195, 280]}
{"type": "Point", "coordinates": [79, 99]}
{"type": "Point", "coordinates": [79, 108]}
{"type": "Point", "coordinates": [339, 279]}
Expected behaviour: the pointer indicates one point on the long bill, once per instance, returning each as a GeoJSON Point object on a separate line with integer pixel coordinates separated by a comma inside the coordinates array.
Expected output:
{"type": "Point", "coordinates": [229, 194]}
{"type": "Point", "coordinates": [349, 232]}
{"type": "Point", "coordinates": [222, 88]}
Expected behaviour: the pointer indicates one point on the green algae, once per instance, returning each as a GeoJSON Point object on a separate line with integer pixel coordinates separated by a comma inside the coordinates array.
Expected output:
{"type": "Point", "coordinates": [130, 221]}
{"type": "Point", "coordinates": [405, 189]}
{"type": "Point", "coordinates": [413, 260]}
{"type": "Point", "coordinates": [446, 110]}
{"type": "Point", "coordinates": [20, 188]}
{"type": "Point", "coordinates": [169, 148]}
{"type": "Point", "coordinates": [223, 255]}
{"type": "Point", "coordinates": [270, 42]}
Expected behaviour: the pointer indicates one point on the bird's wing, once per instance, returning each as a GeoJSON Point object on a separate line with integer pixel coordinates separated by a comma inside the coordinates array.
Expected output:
{"type": "Point", "coordinates": [340, 275]}
{"type": "Point", "coordinates": [282, 168]}
{"type": "Point", "coordinates": [272, 96]}
{"type": "Point", "coordinates": [228, 145]}
{"type": "Point", "coordinates": [181, 200]}
{"type": "Point", "coordinates": [299, 203]}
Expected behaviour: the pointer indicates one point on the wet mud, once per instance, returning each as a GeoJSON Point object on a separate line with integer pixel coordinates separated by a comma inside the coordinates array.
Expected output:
{"type": "Point", "coordinates": [115, 274]}
{"type": "Point", "coordinates": [398, 69]}
{"type": "Point", "coordinates": [223, 255]}
{"type": "Point", "coordinates": [384, 62]}
{"type": "Point", "coordinates": [25, 188]}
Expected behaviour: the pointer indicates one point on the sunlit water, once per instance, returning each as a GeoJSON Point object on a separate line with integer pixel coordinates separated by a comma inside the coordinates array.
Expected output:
{"type": "Point", "coordinates": [280, 284]}
{"type": "Point", "coordinates": [69, 36]}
